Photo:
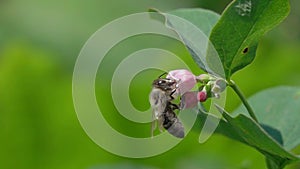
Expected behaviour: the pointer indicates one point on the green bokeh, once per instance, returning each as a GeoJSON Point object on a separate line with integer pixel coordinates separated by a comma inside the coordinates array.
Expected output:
{"type": "Point", "coordinates": [39, 43]}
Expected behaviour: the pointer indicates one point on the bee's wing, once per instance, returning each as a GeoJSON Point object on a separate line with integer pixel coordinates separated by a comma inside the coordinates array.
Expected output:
{"type": "Point", "coordinates": [159, 121]}
{"type": "Point", "coordinates": [153, 125]}
{"type": "Point", "coordinates": [158, 100]}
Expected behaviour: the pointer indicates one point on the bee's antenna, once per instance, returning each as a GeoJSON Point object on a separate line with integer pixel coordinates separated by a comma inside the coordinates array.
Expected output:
{"type": "Point", "coordinates": [162, 74]}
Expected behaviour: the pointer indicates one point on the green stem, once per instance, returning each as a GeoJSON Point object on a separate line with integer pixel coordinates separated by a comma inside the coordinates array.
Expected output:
{"type": "Point", "coordinates": [243, 98]}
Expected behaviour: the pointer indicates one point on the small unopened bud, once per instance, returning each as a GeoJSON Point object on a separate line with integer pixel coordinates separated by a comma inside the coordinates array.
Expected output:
{"type": "Point", "coordinates": [222, 84]}
{"type": "Point", "coordinates": [203, 78]}
{"type": "Point", "coordinates": [202, 96]}
{"type": "Point", "coordinates": [216, 89]}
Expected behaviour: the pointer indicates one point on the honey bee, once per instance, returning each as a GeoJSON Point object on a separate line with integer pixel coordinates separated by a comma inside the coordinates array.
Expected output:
{"type": "Point", "coordinates": [161, 97]}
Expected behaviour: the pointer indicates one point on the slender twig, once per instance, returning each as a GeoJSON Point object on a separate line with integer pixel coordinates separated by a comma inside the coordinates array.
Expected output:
{"type": "Point", "coordinates": [243, 98]}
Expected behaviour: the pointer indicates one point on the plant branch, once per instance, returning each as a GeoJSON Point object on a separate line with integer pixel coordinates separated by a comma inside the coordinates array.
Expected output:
{"type": "Point", "coordinates": [243, 98]}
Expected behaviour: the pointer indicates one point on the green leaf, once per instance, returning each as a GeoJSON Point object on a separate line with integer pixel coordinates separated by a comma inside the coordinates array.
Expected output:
{"type": "Point", "coordinates": [278, 108]}
{"type": "Point", "coordinates": [275, 163]}
{"type": "Point", "coordinates": [193, 27]}
{"type": "Point", "coordinates": [278, 131]}
{"type": "Point", "coordinates": [254, 135]}
{"type": "Point", "coordinates": [203, 19]}
{"type": "Point", "coordinates": [247, 131]}
{"type": "Point", "coordinates": [241, 26]}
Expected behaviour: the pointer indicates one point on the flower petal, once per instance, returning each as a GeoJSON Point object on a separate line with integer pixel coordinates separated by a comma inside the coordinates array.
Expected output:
{"type": "Point", "coordinates": [188, 100]}
{"type": "Point", "coordinates": [186, 80]}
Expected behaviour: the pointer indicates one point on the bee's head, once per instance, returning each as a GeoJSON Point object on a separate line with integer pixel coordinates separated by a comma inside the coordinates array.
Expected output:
{"type": "Point", "coordinates": [164, 84]}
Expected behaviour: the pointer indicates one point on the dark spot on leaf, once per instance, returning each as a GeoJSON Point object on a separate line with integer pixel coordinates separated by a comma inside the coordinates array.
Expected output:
{"type": "Point", "coordinates": [245, 50]}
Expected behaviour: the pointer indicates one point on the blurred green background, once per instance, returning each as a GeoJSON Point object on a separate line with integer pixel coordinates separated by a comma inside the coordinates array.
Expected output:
{"type": "Point", "coordinates": [39, 44]}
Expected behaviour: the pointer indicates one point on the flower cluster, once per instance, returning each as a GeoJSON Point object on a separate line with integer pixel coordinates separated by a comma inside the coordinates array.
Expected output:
{"type": "Point", "coordinates": [210, 86]}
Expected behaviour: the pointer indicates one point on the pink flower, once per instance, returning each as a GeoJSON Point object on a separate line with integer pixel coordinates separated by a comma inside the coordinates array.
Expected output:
{"type": "Point", "coordinates": [191, 99]}
{"type": "Point", "coordinates": [186, 80]}
{"type": "Point", "coordinates": [188, 100]}
{"type": "Point", "coordinates": [202, 96]}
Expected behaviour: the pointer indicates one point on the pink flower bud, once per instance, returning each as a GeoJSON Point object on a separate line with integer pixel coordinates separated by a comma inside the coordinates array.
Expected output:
{"type": "Point", "coordinates": [188, 100]}
{"type": "Point", "coordinates": [186, 80]}
{"type": "Point", "coordinates": [202, 96]}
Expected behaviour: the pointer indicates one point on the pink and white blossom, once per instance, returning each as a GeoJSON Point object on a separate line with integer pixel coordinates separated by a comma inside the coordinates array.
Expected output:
{"type": "Point", "coordinates": [186, 80]}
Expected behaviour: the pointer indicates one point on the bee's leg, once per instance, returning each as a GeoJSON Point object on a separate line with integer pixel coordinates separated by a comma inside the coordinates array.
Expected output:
{"type": "Point", "coordinates": [171, 95]}
{"type": "Point", "coordinates": [162, 74]}
{"type": "Point", "coordinates": [174, 106]}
